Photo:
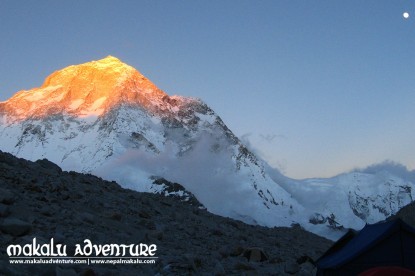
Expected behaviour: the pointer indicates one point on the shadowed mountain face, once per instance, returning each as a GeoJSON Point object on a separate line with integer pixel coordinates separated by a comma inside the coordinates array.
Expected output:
{"type": "Point", "coordinates": [39, 200]}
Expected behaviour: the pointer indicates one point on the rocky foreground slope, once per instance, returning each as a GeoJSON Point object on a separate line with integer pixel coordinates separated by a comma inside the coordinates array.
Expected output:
{"type": "Point", "coordinates": [38, 199]}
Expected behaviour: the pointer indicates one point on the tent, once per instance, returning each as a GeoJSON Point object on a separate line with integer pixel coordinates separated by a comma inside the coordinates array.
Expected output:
{"type": "Point", "coordinates": [390, 243]}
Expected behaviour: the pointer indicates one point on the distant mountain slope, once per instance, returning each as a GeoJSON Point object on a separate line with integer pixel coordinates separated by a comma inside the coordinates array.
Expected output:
{"type": "Point", "coordinates": [350, 200]}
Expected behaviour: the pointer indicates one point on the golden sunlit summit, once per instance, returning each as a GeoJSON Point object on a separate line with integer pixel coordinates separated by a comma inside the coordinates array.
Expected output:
{"type": "Point", "coordinates": [83, 90]}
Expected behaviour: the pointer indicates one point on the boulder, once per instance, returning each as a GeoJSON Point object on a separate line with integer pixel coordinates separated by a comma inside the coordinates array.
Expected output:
{"type": "Point", "coordinates": [6, 197]}
{"type": "Point", "coordinates": [15, 227]}
{"type": "Point", "coordinates": [255, 254]}
{"type": "Point", "coordinates": [4, 210]}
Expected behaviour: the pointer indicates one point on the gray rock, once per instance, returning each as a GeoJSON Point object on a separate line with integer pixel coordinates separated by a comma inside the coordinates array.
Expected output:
{"type": "Point", "coordinates": [89, 272]}
{"type": "Point", "coordinates": [46, 164]}
{"type": "Point", "coordinates": [46, 210]}
{"type": "Point", "coordinates": [224, 251]}
{"type": "Point", "coordinates": [115, 216]}
{"type": "Point", "coordinates": [243, 266]}
{"type": "Point", "coordinates": [291, 267]}
{"type": "Point", "coordinates": [219, 269]}
{"type": "Point", "coordinates": [180, 266]}
{"type": "Point", "coordinates": [15, 227]}
{"type": "Point", "coordinates": [255, 254]}
{"type": "Point", "coordinates": [4, 210]}
{"type": "Point", "coordinates": [65, 271]}
{"type": "Point", "coordinates": [307, 269]}
{"type": "Point", "coordinates": [144, 214]}
{"type": "Point", "coordinates": [236, 251]}
{"type": "Point", "coordinates": [156, 235]}
{"type": "Point", "coordinates": [6, 197]}
{"type": "Point", "coordinates": [3, 267]}
{"type": "Point", "coordinates": [87, 217]}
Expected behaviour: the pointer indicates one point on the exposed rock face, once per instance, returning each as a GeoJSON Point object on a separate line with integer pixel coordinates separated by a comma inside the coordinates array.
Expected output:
{"type": "Point", "coordinates": [70, 207]}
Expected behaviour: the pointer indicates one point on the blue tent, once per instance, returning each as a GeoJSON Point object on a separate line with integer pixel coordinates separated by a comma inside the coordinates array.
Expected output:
{"type": "Point", "coordinates": [389, 243]}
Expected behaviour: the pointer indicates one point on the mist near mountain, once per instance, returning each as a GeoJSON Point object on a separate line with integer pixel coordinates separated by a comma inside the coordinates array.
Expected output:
{"type": "Point", "coordinates": [203, 171]}
{"type": "Point", "coordinates": [391, 167]}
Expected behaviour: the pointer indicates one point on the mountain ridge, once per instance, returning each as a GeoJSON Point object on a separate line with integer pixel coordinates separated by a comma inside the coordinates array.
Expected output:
{"type": "Point", "coordinates": [164, 139]}
{"type": "Point", "coordinates": [145, 133]}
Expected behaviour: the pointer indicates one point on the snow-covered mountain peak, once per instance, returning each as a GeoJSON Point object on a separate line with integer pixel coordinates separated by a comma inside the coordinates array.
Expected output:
{"type": "Point", "coordinates": [88, 89]}
{"type": "Point", "coordinates": [109, 69]}
{"type": "Point", "coordinates": [104, 117]}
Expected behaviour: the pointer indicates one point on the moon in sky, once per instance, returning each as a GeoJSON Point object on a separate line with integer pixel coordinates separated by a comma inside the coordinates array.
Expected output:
{"type": "Point", "coordinates": [405, 15]}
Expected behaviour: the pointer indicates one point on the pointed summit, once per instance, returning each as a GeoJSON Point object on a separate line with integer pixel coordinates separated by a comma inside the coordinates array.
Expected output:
{"type": "Point", "coordinates": [110, 59]}
{"type": "Point", "coordinates": [90, 88]}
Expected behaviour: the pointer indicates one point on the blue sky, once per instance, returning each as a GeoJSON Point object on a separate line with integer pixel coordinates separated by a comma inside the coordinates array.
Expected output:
{"type": "Point", "coordinates": [315, 87]}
